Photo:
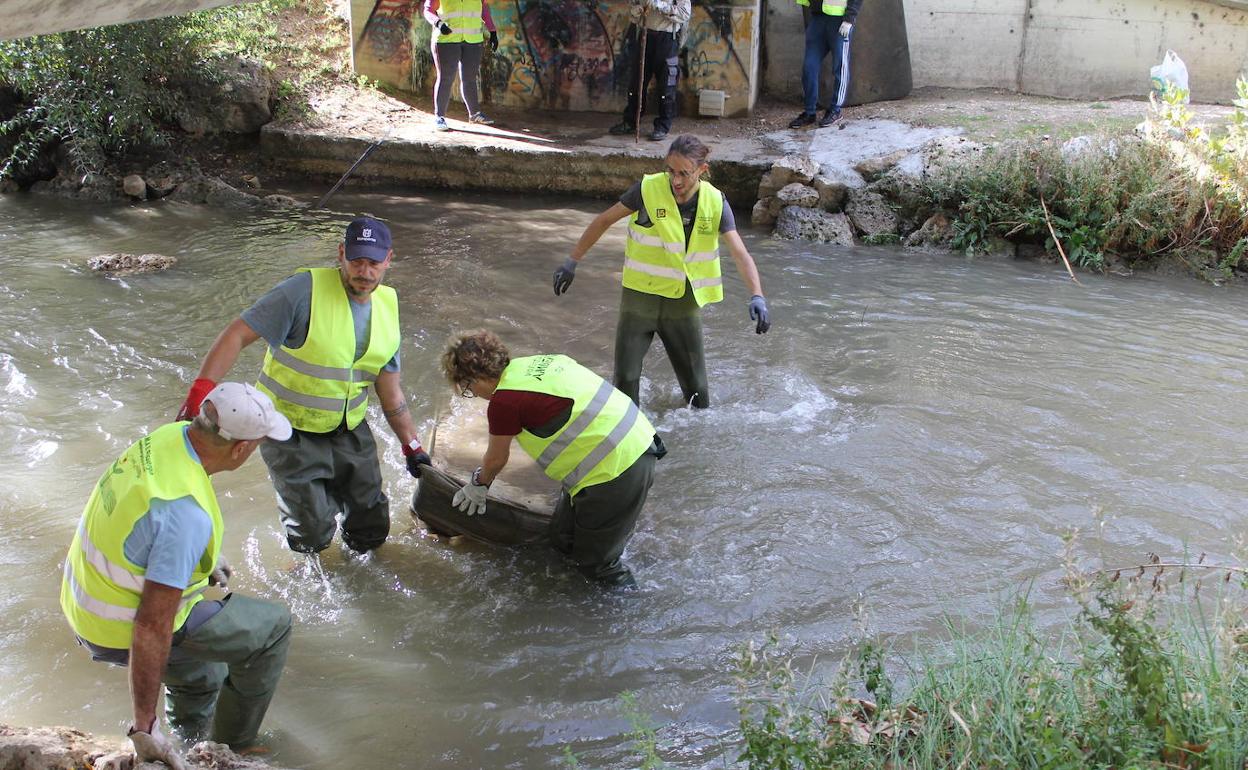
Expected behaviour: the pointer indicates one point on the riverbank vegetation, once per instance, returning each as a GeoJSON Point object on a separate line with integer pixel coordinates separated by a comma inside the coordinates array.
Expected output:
{"type": "Point", "coordinates": [83, 99]}
{"type": "Point", "coordinates": [1178, 192]}
{"type": "Point", "coordinates": [1151, 672]}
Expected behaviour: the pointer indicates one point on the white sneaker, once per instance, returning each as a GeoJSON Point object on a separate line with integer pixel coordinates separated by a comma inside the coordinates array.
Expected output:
{"type": "Point", "coordinates": [440, 124]}
{"type": "Point", "coordinates": [481, 118]}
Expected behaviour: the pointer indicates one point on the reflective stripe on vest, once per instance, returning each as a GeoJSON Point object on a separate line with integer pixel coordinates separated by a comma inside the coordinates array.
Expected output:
{"type": "Point", "coordinates": [656, 258]}
{"type": "Point", "coordinates": [101, 588]}
{"type": "Point", "coordinates": [604, 435]}
{"type": "Point", "coordinates": [464, 19]}
{"type": "Point", "coordinates": [830, 7]}
{"type": "Point", "coordinates": [318, 385]}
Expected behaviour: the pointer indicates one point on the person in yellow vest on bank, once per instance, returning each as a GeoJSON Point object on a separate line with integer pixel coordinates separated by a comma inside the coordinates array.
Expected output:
{"type": "Point", "coordinates": [582, 432]}
{"type": "Point", "coordinates": [459, 28]}
{"type": "Point", "coordinates": [671, 268]}
{"type": "Point", "coordinates": [332, 332]}
{"type": "Point", "coordinates": [147, 546]}
{"type": "Point", "coordinates": [829, 29]}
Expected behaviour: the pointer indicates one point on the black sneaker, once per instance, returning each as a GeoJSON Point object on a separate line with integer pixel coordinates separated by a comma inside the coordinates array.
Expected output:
{"type": "Point", "coordinates": [805, 119]}
{"type": "Point", "coordinates": [658, 134]}
{"type": "Point", "coordinates": [829, 117]}
{"type": "Point", "coordinates": [622, 128]}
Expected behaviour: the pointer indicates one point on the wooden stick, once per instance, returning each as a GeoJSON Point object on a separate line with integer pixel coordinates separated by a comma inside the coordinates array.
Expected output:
{"type": "Point", "coordinates": [1181, 565]}
{"type": "Point", "coordinates": [1056, 240]}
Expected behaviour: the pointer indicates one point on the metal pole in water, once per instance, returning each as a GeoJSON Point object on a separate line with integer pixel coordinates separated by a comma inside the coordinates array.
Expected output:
{"type": "Point", "coordinates": [367, 152]}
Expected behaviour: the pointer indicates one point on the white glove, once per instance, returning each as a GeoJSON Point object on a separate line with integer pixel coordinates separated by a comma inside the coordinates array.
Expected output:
{"type": "Point", "coordinates": [220, 576]}
{"type": "Point", "coordinates": [471, 497]}
{"type": "Point", "coordinates": [845, 28]}
{"type": "Point", "coordinates": [155, 747]}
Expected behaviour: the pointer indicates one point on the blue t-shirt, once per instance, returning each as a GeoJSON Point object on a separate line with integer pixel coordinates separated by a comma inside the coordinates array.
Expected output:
{"type": "Point", "coordinates": [170, 539]}
{"type": "Point", "coordinates": [282, 316]}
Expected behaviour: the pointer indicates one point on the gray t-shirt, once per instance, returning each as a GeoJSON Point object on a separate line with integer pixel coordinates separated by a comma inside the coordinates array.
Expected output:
{"type": "Point", "coordinates": [282, 315]}
{"type": "Point", "coordinates": [632, 199]}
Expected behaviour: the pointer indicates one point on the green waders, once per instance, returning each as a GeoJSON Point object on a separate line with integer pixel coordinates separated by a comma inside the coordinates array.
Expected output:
{"type": "Point", "coordinates": [678, 323]}
{"type": "Point", "coordinates": [226, 670]}
{"type": "Point", "coordinates": [592, 528]}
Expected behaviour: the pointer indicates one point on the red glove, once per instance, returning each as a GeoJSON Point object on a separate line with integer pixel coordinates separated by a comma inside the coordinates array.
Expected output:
{"type": "Point", "coordinates": [190, 407]}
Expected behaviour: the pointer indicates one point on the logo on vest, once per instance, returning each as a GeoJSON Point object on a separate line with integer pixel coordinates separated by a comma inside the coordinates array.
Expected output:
{"type": "Point", "coordinates": [705, 225]}
{"type": "Point", "coordinates": [660, 213]}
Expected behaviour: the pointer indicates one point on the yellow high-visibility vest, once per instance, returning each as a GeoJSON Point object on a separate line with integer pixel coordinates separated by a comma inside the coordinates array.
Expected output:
{"type": "Point", "coordinates": [605, 434]}
{"type": "Point", "coordinates": [464, 19]}
{"type": "Point", "coordinates": [656, 259]}
{"type": "Point", "coordinates": [319, 384]}
{"type": "Point", "coordinates": [101, 588]}
{"type": "Point", "coordinates": [830, 7]}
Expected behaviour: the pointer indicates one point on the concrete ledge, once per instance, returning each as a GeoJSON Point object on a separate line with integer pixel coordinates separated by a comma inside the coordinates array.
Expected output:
{"type": "Point", "coordinates": [499, 165]}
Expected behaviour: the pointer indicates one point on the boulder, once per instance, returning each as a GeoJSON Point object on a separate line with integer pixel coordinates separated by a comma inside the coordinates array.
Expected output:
{"type": "Point", "coordinates": [937, 231]}
{"type": "Point", "coordinates": [130, 263]}
{"type": "Point", "coordinates": [240, 101]}
{"type": "Point", "coordinates": [832, 192]}
{"type": "Point", "coordinates": [764, 212]}
{"type": "Point", "coordinates": [794, 168]}
{"type": "Point", "coordinates": [872, 169]}
{"type": "Point", "coordinates": [283, 202]}
{"type": "Point", "coordinates": [797, 223]}
{"type": "Point", "coordinates": [796, 194]}
{"type": "Point", "coordinates": [163, 177]}
{"type": "Point", "coordinates": [947, 151]}
{"type": "Point", "coordinates": [214, 192]}
{"type": "Point", "coordinates": [1080, 147]}
{"type": "Point", "coordinates": [134, 186]}
{"type": "Point", "coordinates": [770, 183]}
{"type": "Point", "coordinates": [63, 748]}
{"type": "Point", "coordinates": [870, 214]}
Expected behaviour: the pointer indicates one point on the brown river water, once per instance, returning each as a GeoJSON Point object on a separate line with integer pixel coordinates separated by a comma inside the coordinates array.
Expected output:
{"type": "Point", "coordinates": [913, 437]}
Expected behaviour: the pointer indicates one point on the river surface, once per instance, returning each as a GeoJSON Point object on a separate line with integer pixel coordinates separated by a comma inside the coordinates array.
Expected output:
{"type": "Point", "coordinates": [913, 437]}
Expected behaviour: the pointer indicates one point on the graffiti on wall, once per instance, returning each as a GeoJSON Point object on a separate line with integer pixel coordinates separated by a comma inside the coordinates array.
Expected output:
{"type": "Point", "coordinates": [564, 54]}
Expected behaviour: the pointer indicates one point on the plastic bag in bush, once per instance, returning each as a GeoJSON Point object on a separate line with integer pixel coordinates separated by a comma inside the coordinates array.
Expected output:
{"type": "Point", "coordinates": [1170, 74]}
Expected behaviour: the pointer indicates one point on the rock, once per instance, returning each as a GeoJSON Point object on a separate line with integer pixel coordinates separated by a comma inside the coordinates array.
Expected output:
{"type": "Point", "coordinates": [769, 185]}
{"type": "Point", "coordinates": [163, 177]}
{"type": "Point", "coordinates": [870, 214]}
{"type": "Point", "coordinates": [796, 194]}
{"type": "Point", "coordinates": [1032, 251]}
{"type": "Point", "coordinates": [832, 192]}
{"type": "Point", "coordinates": [947, 151]}
{"type": "Point", "coordinates": [997, 247]}
{"type": "Point", "coordinates": [252, 181]}
{"type": "Point", "coordinates": [240, 103]}
{"type": "Point", "coordinates": [1080, 147]}
{"type": "Point", "coordinates": [874, 168]}
{"type": "Point", "coordinates": [63, 748]}
{"type": "Point", "coordinates": [283, 202]}
{"type": "Point", "coordinates": [8, 185]}
{"type": "Point", "coordinates": [214, 192]}
{"type": "Point", "coordinates": [904, 195]}
{"type": "Point", "coordinates": [764, 212]}
{"type": "Point", "coordinates": [134, 186]}
{"type": "Point", "coordinates": [794, 168]}
{"type": "Point", "coordinates": [936, 231]}
{"type": "Point", "coordinates": [797, 223]}
{"type": "Point", "coordinates": [130, 263]}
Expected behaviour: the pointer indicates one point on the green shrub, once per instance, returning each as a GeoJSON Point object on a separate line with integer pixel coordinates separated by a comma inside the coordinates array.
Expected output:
{"type": "Point", "coordinates": [104, 91]}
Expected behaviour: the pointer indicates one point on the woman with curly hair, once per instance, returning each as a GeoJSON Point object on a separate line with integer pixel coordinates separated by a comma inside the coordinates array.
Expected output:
{"type": "Point", "coordinates": [582, 432]}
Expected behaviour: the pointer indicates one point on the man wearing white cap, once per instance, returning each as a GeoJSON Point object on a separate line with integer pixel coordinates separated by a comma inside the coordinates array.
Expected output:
{"type": "Point", "coordinates": [148, 545]}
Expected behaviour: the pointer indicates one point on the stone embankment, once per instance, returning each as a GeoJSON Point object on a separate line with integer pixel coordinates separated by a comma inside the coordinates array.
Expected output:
{"type": "Point", "coordinates": [64, 748]}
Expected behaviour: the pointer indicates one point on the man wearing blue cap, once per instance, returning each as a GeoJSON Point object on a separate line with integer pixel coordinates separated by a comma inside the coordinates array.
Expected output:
{"type": "Point", "coordinates": [331, 333]}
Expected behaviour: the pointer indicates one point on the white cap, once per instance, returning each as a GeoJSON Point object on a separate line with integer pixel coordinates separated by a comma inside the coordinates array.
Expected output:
{"type": "Point", "coordinates": [246, 414]}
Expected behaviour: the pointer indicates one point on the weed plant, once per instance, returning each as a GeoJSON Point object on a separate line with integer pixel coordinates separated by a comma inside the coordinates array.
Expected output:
{"type": "Point", "coordinates": [1179, 192]}
{"type": "Point", "coordinates": [103, 91]}
{"type": "Point", "coordinates": [1151, 672]}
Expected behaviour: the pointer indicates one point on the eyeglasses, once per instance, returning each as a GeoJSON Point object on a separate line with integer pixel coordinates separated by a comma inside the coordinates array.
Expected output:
{"type": "Point", "coordinates": [467, 392]}
{"type": "Point", "coordinates": [685, 175]}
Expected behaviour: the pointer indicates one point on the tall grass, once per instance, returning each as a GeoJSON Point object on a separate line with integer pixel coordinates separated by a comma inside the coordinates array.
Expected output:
{"type": "Point", "coordinates": [1150, 672]}
{"type": "Point", "coordinates": [1178, 192]}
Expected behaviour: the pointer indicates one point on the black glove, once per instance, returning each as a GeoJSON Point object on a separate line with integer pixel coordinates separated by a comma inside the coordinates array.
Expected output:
{"type": "Point", "coordinates": [564, 275]}
{"type": "Point", "coordinates": [493, 41]}
{"type": "Point", "coordinates": [444, 28]}
{"type": "Point", "coordinates": [758, 312]}
{"type": "Point", "coordinates": [415, 457]}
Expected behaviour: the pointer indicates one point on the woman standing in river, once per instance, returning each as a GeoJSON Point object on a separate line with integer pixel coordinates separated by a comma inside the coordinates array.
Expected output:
{"type": "Point", "coordinates": [671, 268]}
{"type": "Point", "coordinates": [458, 38]}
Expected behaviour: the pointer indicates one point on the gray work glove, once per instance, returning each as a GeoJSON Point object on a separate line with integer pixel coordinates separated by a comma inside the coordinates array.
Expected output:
{"type": "Point", "coordinates": [845, 28]}
{"type": "Point", "coordinates": [758, 312]}
{"type": "Point", "coordinates": [564, 275]}
{"type": "Point", "coordinates": [471, 497]}
{"type": "Point", "coordinates": [221, 574]}
{"type": "Point", "coordinates": [155, 747]}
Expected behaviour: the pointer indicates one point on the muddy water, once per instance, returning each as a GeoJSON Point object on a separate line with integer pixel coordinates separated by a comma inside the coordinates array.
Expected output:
{"type": "Point", "coordinates": [914, 436]}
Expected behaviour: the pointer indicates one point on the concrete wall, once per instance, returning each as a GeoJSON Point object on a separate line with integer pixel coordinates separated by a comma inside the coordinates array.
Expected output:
{"type": "Point", "coordinates": [26, 18]}
{"type": "Point", "coordinates": [1086, 49]}
{"type": "Point", "coordinates": [564, 54]}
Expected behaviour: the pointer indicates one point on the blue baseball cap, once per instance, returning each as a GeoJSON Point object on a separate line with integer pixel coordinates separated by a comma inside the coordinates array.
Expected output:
{"type": "Point", "coordinates": [367, 238]}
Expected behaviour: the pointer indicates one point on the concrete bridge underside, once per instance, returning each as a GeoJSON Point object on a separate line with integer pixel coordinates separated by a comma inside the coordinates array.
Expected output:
{"type": "Point", "coordinates": [25, 18]}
